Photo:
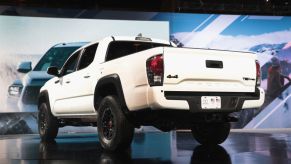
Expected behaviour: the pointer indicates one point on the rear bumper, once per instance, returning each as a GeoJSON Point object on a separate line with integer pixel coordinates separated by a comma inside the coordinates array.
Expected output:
{"type": "Point", "coordinates": [257, 103]}
{"type": "Point", "coordinates": [231, 101]}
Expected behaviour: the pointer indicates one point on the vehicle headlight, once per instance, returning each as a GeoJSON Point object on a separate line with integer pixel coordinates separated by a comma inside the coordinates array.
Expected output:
{"type": "Point", "coordinates": [15, 90]}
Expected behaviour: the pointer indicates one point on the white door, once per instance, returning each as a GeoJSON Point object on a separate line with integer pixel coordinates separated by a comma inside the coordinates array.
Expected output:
{"type": "Point", "coordinates": [77, 86]}
{"type": "Point", "coordinates": [61, 105]}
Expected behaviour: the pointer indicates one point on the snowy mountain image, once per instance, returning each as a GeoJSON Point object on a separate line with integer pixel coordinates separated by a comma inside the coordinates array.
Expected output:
{"type": "Point", "coordinates": [282, 50]}
{"type": "Point", "coordinates": [285, 53]}
{"type": "Point", "coordinates": [266, 51]}
{"type": "Point", "coordinates": [267, 47]}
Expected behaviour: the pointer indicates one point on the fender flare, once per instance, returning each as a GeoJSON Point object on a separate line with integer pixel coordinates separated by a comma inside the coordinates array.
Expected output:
{"type": "Point", "coordinates": [43, 95]}
{"type": "Point", "coordinates": [114, 80]}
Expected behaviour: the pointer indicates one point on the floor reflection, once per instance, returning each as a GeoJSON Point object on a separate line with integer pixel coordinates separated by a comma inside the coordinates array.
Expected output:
{"type": "Point", "coordinates": [206, 154]}
{"type": "Point", "coordinates": [146, 148]}
{"type": "Point", "coordinates": [115, 158]}
{"type": "Point", "coordinates": [279, 150]}
{"type": "Point", "coordinates": [52, 152]}
{"type": "Point", "coordinates": [154, 147]}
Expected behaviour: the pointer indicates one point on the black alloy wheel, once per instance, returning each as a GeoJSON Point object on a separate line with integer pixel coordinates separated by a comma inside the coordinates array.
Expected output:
{"type": "Point", "coordinates": [115, 132]}
{"type": "Point", "coordinates": [108, 124]}
{"type": "Point", "coordinates": [47, 124]}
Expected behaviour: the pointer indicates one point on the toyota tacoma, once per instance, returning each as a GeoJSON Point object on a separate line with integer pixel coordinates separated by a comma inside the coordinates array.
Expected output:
{"type": "Point", "coordinates": [120, 83]}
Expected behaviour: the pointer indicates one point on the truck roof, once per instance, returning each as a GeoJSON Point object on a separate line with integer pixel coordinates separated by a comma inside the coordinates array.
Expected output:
{"type": "Point", "coordinates": [124, 38]}
{"type": "Point", "coordinates": [71, 44]}
{"type": "Point", "coordinates": [134, 38]}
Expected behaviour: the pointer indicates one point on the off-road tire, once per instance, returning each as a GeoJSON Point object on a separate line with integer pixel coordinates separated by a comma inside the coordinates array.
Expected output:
{"type": "Point", "coordinates": [114, 130]}
{"type": "Point", "coordinates": [47, 124]}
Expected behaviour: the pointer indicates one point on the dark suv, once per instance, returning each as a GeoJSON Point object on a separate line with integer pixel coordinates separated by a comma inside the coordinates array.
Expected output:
{"type": "Point", "coordinates": [25, 93]}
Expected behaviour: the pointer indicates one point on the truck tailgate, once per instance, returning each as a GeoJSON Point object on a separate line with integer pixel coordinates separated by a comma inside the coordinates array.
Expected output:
{"type": "Point", "coordinates": [209, 70]}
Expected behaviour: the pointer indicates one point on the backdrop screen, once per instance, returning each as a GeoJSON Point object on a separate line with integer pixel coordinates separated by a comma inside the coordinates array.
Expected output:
{"type": "Point", "coordinates": [49, 41]}
{"type": "Point", "coordinates": [42, 40]}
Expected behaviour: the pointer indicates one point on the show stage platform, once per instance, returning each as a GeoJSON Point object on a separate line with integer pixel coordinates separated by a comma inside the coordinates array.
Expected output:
{"type": "Point", "coordinates": [149, 147]}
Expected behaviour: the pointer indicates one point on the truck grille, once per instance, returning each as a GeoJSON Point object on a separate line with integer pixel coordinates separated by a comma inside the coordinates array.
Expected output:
{"type": "Point", "coordinates": [30, 94]}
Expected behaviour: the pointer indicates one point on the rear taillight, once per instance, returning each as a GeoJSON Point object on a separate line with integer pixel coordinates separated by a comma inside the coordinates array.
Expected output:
{"type": "Point", "coordinates": [258, 73]}
{"type": "Point", "coordinates": [155, 70]}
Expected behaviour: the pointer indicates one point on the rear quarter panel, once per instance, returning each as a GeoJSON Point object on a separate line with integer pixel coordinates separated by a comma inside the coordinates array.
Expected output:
{"type": "Point", "coordinates": [131, 70]}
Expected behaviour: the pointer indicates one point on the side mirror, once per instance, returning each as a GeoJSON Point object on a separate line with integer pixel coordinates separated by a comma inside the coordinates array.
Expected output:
{"type": "Point", "coordinates": [24, 67]}
{"type": "Point", "coordinates": [53, 71]}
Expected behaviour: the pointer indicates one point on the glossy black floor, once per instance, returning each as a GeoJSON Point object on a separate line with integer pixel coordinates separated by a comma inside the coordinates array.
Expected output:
{"type": "Point", "coordinates": [150, 147]}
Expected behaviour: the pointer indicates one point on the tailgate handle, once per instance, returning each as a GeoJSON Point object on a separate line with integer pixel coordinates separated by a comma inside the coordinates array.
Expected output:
{"type": "Point", "coordinates": [214, 64]}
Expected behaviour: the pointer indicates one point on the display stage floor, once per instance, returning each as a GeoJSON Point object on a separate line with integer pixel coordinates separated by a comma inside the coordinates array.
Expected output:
{"type": "Point", "coordinates": [149, 147]}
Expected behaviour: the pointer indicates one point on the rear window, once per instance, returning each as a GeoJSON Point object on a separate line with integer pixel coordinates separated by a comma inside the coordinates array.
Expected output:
{"type": "Point", "coordinates": [119, 49]}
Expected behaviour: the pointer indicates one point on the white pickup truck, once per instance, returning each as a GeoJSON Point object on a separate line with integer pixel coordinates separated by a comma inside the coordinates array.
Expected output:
{"type": "Point", "coordinates": [120, 83]}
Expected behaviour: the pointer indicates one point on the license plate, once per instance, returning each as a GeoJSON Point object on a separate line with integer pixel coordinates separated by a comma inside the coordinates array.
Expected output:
{"type": "Point", "coordinates": [210, 102]}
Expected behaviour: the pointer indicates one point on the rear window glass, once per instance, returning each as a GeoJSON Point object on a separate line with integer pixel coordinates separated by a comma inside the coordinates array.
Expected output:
{"type": "Point", "coordinates": [119, 49]}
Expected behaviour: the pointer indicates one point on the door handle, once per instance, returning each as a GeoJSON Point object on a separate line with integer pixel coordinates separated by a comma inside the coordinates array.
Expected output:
{"type": "Point", "coordinates": [86, 76]}
{"type": "Point", "coordinates": [68, 82]}
{"type": "Point", "coordinates": [57, 81]}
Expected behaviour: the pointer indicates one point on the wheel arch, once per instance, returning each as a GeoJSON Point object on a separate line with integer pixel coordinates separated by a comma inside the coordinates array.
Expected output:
{"type": "Point", "coordinates": [43, 97]}
{"type": "Point", "coordinates": [109, 85]}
